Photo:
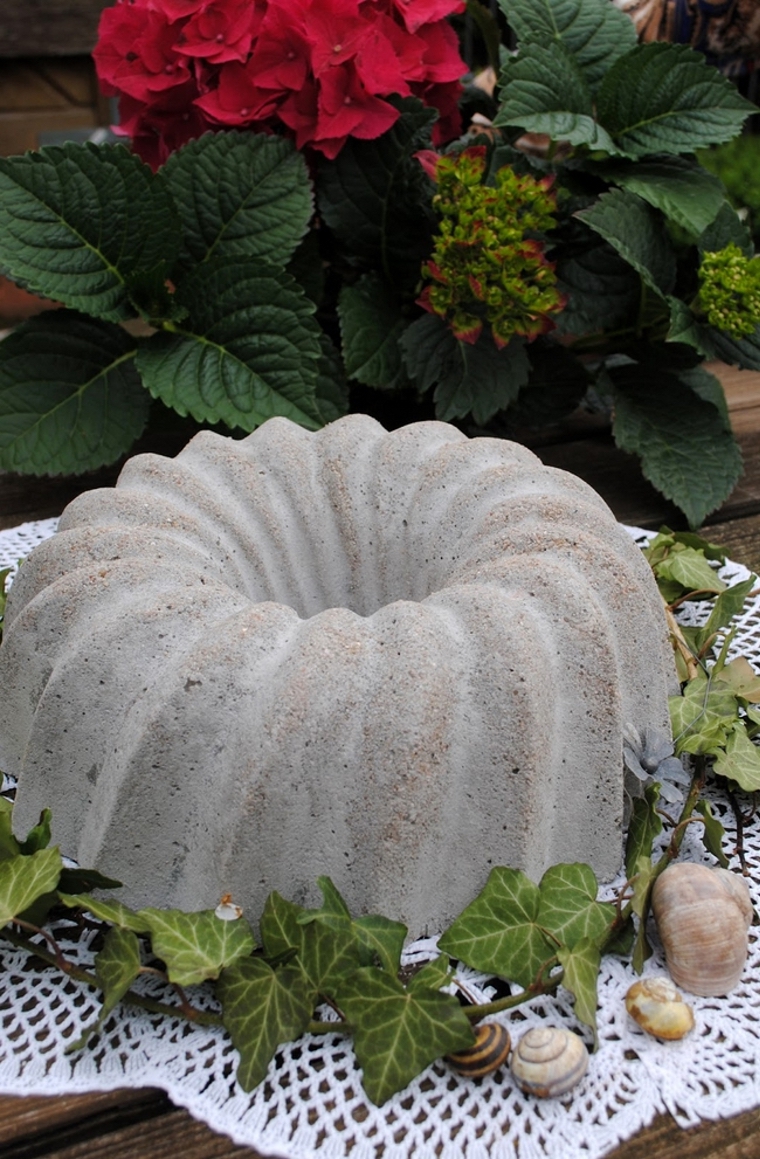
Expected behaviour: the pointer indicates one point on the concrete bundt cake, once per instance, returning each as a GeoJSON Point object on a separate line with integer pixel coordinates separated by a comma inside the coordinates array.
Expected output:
{"type": "Point", "coordinates": [394, 658]}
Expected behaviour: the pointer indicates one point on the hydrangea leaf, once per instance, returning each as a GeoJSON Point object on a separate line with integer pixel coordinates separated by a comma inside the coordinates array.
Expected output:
{"type": "Point", "coordinates": [499, 932]}
{"type": "Point", "coordinates": [248, 349]}
{"type": "Point", "coordinates": [543, 91]}
{"type": "Point", "coordinates": [691, 570]}
{"type": "Point", "coordinates": [374, 194]}
{"type": "Point", "coordinates": [107, 910]}
{"type": "Point", "coordinates": [398, 1032]}
{"type": "Point", "coordinates": [116, 967]}
{"type": "Point", "coordinates": [581, 964]}
{"type": "Point", "coordinates": [665, 98]}
{"type": "Point", "coordinates": [594, 34]}
{"type": "Point", "coordinates": [24, 879]}
{"type": "Point", "coordinates": [196, 946]}
{"type": "Point", "coordinates": [557, 384]}
{"type": "Point", "coordinates": [474, 379]}
{"type": "Point", "coordinates": [9, 846]}
{"type": "Point", "coordinates": [603, 290]}
{"type": "Point", "coordinates": [680, 188]}
{"type": "Point", "coordinates": [568, 907]}
{"type": "Point", "coordinates": [261, 1008]}
{"type": "Point", "coordinates": [685, 450]}
{"type": "Point", "coordinates": [713, 834]}
{"type": "Point", "coordinates": [740, 761]}
{"type": "Point", "coordinates": [371, 326]}
{"type": "Point", "coordinates": [332, 387]}
{"type": "Point", "coordinates": [638, 234]}
{"type": "Point", "coordinates": [239, 195]}
{"type": "Point", "coordinates": [77, 222]}
{"type": "Point", "coordinates": [726, 228]}
{"type": "Point", "coordinates": [70, 397]}
{"type": "Point", "coordinates": [643, 829]}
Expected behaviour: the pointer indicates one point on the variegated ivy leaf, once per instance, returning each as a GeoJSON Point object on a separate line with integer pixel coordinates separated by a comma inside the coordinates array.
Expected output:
{"type": "Point", "coordinates": [261, 1008]}
{"type": "Point", "coordinates": [568, 907]}
{"type": "Point", "coordinates": [107, 910]}
{"type": "Point", "coordinates": [24, 879]}
{"type": "Point", "coordinates": [581, 966]}
{"type": "Point", "coordinates": [643, 878]}
{"type": "Point", "coordinates": [644, 827]}
{"type": "Point", "coordinates": [9, 846]}
{"type": "Point", "coordinates": [196, 946]}
{"type": "Point", "coordinates": [116, 967]}
{"type": "Point", "coordinates": [712, 837]}
{"type": "Point", "coordinates": [740, 760]}
{"type": "Point", "coordinates": [703, 717]}
{"type": "Point", "coordinates": [397, 1032]}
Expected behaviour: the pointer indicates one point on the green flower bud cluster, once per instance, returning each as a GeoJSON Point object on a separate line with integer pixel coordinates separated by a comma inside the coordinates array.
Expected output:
{"type": "Point", "coordinates": [729, 291]}
{"type": "Point", "coordinates": [487, 263]}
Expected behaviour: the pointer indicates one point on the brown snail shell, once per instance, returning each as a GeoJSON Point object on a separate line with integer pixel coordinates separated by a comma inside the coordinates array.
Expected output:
{"type": "Point", "coordinates": [548, 1061]}
{"type": "Point", "coordinates": [490, 1051]}
{"type": "Point", "coordinates": [658, 1008]}
{"type": "Point", "coordinates": [702, 918]}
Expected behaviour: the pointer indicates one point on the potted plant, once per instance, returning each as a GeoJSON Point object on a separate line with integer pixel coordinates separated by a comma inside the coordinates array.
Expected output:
{"type": "Point", "coordinates": [303, 228]}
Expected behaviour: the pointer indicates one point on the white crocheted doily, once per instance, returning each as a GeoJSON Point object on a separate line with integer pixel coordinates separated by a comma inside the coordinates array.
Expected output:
{"type": "Point", "coordinates": [312, 1106]}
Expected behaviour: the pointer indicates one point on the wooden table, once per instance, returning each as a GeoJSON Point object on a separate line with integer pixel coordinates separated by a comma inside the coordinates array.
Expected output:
{"type": "Point", "coordinates": [124, 1124]}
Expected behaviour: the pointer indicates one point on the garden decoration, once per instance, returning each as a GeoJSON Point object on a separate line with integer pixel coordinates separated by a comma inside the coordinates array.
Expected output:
{"type": "Point", "coordinates": [322, 971]}
{"type": "Point", "coordinates": [365, 635]}
{"type": "Point", "coordinates": [332, 242]}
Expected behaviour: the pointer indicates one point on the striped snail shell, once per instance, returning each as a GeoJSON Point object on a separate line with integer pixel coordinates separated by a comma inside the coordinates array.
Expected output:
{"type": "Point", "coordinates": [702, 917]}
{"type": "Point", "coordinates": [549, 1061]}
{"type": "Point", "coordinates": [490, 1051]}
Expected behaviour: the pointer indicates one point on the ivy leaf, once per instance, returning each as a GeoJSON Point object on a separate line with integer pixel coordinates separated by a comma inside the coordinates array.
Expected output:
{"type": "Point", "coordinates": [432, 976]}
{"type": "Point", "coordinates": [70, 397]}
{"type": "Point", "coordinates": [116, 967]}
{"type": "Point", "coordinates": [78, 222]}
{"type": "Point", "coordinates": [679, 187]}
{"type": "Point", "coordinates": [39, 836]}
{"type": "Point", "coordinates": [239, 195]}
{"type": "Point", "coordinates": [713, 834]}
{"type": "Point", "coordinates": [643, 880]}
{"type": "Point", "coordinates": [279, 926]}
{"type": "Point", "coordinates": [374, 196]}
{"type": "Point", "coordinates": [398, 1032]}
{"type": "Point", "coordinates": [196, 946]}
{"type": "Point", "coordinates": [333, 911]}
{"type": "Point", "coordinates": [544, 91]}
{"type": "Point", "coordinates": [248, 349]}
{"type": "Point", "coordinates": [108, 910]}
{"type": "Point", "coordinates": [740, 761]}
{"type": "Point", "coordinates": [380, 938]}
{"type": "Point", "coordinates": [644, 828]}
{"type": "Point", "coordinates": [638, 234]}
{"type": "Point", "coordinates": [9, 846]}
{"type": "Point", "coordinates": [596, 35]}
{"type": "Point", "coordinates": [477, 379]}
{"type": "Point", "coordinates": [499, 932]}
{"type": "Point", "coordinates": [690, 569]}
{"type": "Point", "coordinates": [581, 964]}
{"type": "Point", "coordinates": [261, 1008]}
{"type": "Point", "coordinates": [665, 98]}
{"type": "Point", "coordinates": [703, 716]}
{"type": "Point", "coordinates": [73, 881]}
{"type": "Point", "coordinates": [568, 907]}
{"type": "Point", "coordinates": [24, 879]}
{"type": "Point", "coordinates": [685, 450]}
{"type": "Point", "coordinates": [371, 326]}
{"type": "Point", "coordinates": [739, 674]}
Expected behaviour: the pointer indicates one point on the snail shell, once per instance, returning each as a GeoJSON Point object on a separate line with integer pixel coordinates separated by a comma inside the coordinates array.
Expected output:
{"type": "Point", "coordinates": [702, 917]}
{"type": "Point", "coordinates": [549, 1061]}
{"type": "Point", "coordinates": [659, 1008]}
{"type": "Point", "coordinates": [491, 1050]}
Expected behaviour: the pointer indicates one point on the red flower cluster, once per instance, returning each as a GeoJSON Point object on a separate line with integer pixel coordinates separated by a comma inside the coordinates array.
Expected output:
{"type": "Point", "coordinates": [320, 68]}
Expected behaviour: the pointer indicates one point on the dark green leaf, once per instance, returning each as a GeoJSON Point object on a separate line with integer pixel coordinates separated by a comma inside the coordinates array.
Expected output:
{"type": "Point", "coordinates": [474, 379]}
{"type": "Point", "coordinates": [595, 34]}
{"type": "Point", "coordinates": [331, 388]}
{"type": "Point", "coordinates": [9, 846]}
{"type": "Point", "coordinates": [398, 1032]}
{"type": "Point", "coordinates": [70, 396]}
{"type": "Point", "coordinates": [261, 1008]}
{"type": "Point", "coordinates": [499, 932]}
{"type": "Point", "coordinates": [643, 880]}
{"type": "Point", "coordinates": [544, 91]}
{"type": "Point", "coordinates": [665, 98]}
{"type": "Point", "coordinates": [196, 946]}
{"type": "Point", "coordinates": [568, 907]}
{"type": "Point", "coordinates": [684, 192]}
{"type": "Point", "coordinates": [727, 228]}
{"type": "Point", "coordinates": [557, 384]}
{"type": "Point", "coordinates": [77, 222]}
{"type": "Point", "coordinates": [116, 967]}
{"type": "Point", "coordinates": [375, 196]}
{"type": "Point", "coordinates": [643, 829]}
{"type": "Point", "coordinates": [603, 290]}
{"type": "Point", "coordinates": [713, 834]}
{"type": "Point", "coordinates": [24, 879]}
{"type": "Point", "coordinates": [239, 195]}
{"type": "Point", "coordinates": [279, 926]}
{"type": "Point", "coordinates": [75, 881]}
{"type": "Point", "coordinates": [638, 234]}
{"type": "Point", "coordinates": [249, 348]}
{"type": "Point", "coordinates": [685, 450]}
{"type": "Point", "coordinates": [39, 836]}
{"type": "Point", "coordinates": [382, 939]}
{"type": "Point", "coordinates": [581, 971]}
{"type": "Point", "coordinates": [371, 326]}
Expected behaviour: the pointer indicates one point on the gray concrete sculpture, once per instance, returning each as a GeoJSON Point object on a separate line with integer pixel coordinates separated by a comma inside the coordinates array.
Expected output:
{"type": "Point", "coordinates": [397, 659]}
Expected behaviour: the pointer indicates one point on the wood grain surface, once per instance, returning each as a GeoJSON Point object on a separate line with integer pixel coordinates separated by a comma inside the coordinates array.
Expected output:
{"type": "Point", "coordinates": [49, 27]}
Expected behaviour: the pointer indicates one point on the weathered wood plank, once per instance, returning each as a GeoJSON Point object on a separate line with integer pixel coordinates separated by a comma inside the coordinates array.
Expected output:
{"type": "Point", "coordinates": [49, 27]}
{"type": "Point", "coordinates": [37, 1117]}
